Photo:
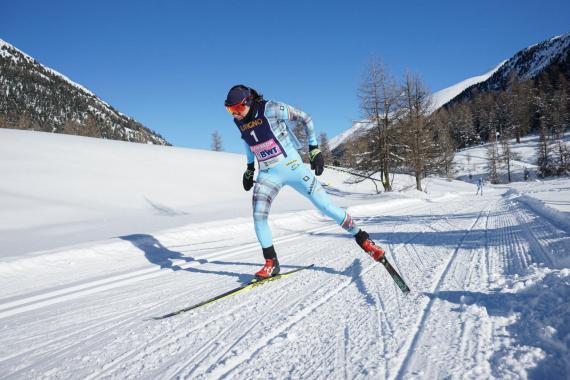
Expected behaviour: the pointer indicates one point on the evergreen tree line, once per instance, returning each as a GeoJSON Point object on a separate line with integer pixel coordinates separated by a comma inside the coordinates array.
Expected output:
{"type": "Point", "coordinates": [33, 98]}
{"type": "Point", "coordinates": [402, 135]}
{"type": "Point", "coordinates": [539, 106]}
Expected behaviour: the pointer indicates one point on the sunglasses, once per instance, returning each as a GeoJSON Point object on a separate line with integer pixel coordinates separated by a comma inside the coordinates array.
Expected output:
{"type": "Point", "coordinates": [238, 108]}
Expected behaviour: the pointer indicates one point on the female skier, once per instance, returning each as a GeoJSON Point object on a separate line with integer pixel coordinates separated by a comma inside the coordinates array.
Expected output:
{"type": "Point", "coordinates": [267, 137]}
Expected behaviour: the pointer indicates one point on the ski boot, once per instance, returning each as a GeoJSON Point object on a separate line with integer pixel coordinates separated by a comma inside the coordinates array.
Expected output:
{"type": "Point", "coordinates": [363, 240]}
{"type": "Point", "coordinates": [270, 269]}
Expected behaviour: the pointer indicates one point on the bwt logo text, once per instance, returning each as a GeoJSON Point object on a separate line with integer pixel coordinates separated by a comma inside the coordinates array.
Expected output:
{"type": "Point", "coordinates": [267, 152]}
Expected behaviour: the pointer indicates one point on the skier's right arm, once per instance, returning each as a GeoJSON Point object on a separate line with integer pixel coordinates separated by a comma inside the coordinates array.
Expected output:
{"type": "Point", "coordinates": [248, 153]}
{"type": "Point", "coordinates": [249, 172]}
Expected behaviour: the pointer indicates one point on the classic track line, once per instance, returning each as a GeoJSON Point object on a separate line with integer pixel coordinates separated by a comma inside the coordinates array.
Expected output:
{"type": "Point", "coordinates": [410, 347]}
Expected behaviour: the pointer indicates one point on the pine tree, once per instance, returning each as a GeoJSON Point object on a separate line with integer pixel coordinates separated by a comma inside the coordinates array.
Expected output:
{"type": "Point", "coordinates": [418, 129]}
{"type": "Point", "coordinates": [301, 134]}
{"type": "Point", "coordinates": [492, 163]}
{"type": "Point", "coordinates": [217, 142]}
{"type": "Point", "coordinates": [325, 148]}
{"type": "Point", "coordinates": [544, 154]}
{"type": "Point", "coordinates": [379, 98]}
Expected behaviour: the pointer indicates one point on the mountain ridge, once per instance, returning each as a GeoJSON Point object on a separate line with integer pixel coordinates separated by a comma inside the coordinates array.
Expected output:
{"type": "Point", "coordinates": [38, 97]}
{"type": "Point", "coordinates": [527, 63]}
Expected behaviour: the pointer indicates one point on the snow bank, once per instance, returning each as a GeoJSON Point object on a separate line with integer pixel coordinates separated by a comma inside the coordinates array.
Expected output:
{"type": "Point", "coordinates": [60, 190]}
{"type": "Point", "coordinates": [539, 325]}
{"type": "Point", "coordinates": [558, 218]}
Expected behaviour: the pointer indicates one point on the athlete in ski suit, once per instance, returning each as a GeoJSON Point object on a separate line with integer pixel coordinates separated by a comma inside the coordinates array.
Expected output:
{"type": "Point", "coordinates": [264, 127]}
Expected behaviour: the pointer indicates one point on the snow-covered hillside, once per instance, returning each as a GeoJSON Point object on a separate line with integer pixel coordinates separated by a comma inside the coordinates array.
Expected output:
{"type": "Point", "coordinates": [441, 97]}
{"type": "Point", "coordinates": [157, 229]}
{"type": "Point", "coordinates": [473, 160]}
{"type": "Point", "coordinates": [526, 64]}
{"type": "Point", "coordinates": [67, 189]}
{"type": "Point", "coordinates": [17, 57]}
{"type": "Point", "coordinates": [36, 97]}
{"type": "Point", "coordinates": [438, 99]}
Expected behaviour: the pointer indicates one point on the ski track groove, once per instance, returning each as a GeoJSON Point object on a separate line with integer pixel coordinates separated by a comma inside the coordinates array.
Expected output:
{"type": "Point", "coordinates": [176, 337]}
{"type": "Point", "coordinates": [49, 298]}
{"type": "Point", "coordinates": [214, 371]}
{"type": "Point", "coordinates": [223, 369]}
{"type": "Point", "coordinates": [151, 345]}
{"type": "Point", "coordinates": [506, 250]}
{"type": "Point", "coordinates": [411, 346]}
{"type": "Point", "coordinates": [57, 350]}
{"type": "Point", "coordinates": [177, 371]}
{"type": "Point", "coordinates": [384, 320]}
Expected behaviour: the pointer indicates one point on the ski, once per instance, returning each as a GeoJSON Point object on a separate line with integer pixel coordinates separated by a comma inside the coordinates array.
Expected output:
{"type": "Point", "coordinates": [394, 274]}
{"type": "Point", "coordinates": [252, 284]}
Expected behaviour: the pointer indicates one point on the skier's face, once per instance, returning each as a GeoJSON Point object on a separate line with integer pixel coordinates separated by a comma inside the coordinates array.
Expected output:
{"type": "Point", "coordinates": [240, 110]}
{"type": "Point", "coordinates": [240, 114]}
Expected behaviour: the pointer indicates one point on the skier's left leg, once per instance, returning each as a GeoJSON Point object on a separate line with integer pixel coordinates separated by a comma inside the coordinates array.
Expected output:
{"type": "Point", "coordinates": [305, 182]}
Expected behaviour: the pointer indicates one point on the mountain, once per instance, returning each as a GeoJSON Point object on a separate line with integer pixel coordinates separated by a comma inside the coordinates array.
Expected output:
{"type": "Point", "coordinates": [35, 97]}
{"type": "Point", "coordinates": [528, 63]}
{"type": "Point", "coordinates": [439, 99]}
{"type": "Point", "coordinates": [442, 97]}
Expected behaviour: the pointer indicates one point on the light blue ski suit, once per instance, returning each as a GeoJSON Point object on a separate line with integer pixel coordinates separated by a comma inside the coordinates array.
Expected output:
{"type": "Point", "coordinates": [268, 138]}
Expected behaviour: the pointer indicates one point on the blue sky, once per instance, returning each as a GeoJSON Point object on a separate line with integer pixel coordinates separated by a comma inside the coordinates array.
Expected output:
{"type": "Point", "coordinates": [169, 64]}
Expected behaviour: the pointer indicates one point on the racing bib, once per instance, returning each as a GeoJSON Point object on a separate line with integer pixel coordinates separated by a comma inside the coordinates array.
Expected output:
{"type": "Point", "coordinates": [268, 153]}
{"type": "Point", "coordinates": [259, 136]}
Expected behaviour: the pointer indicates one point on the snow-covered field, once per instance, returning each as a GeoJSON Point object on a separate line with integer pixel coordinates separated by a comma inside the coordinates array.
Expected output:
{"type": "Point", "coordinates": [473, 160]}
{"type": "Point", "coordinates": [98, 236]}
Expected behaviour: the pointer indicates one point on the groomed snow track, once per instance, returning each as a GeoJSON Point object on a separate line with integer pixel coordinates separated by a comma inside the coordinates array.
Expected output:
{"type": "Point", "coordinates": [464, 258]}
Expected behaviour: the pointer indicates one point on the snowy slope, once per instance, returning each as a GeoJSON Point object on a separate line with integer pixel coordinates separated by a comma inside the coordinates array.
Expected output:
{"type": "Point", "coordinates": [530, 62]}
{"type": "Point", "coordinates": [53, 102]}
{"type": "Point", "coordinates": [473, 160]}
{"type": "Point", "coordinates": [441, 97]}
{"type": "Point", "coordinates": [438, 99]}
{"type": "Point", "coordinates": [66, 189]}
{"type": "Point", "coordinates": [489, 276]}
{"type": "Point", "coordinates": [526, 64]}
{"type": "Point", "coordinates": [7, 51]}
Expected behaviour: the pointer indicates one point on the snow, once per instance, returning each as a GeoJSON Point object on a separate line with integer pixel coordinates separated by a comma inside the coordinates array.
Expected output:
{"type": "Point", "coordinates": [441, 97]}
{"type": "Point", "coordinates": [352, 131]}
{"type": "Point", "coordinates": [473, 160]}
{"type": "Point", "coordinates": [438, 99]}
{"type": "Point", "coordinates": [97, 236]}
{"type": "Point", "coordinates": [5, 48]}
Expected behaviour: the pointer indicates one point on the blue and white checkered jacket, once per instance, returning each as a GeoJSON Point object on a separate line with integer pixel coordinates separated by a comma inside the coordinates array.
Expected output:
{"type": "Point", "coordinates": [282, 119]}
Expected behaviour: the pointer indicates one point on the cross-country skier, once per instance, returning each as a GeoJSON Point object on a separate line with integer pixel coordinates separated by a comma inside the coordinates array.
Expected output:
{"type": "Point", "coordinates": [264, 127]}
{"type": "Point", "coordinates": [479, 186]}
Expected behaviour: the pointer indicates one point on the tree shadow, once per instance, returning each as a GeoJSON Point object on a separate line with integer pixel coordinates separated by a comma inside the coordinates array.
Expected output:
{"type": "Point", "coordinates": [156, 253]}
{"type": "Point", "coordinates": [331, 190]}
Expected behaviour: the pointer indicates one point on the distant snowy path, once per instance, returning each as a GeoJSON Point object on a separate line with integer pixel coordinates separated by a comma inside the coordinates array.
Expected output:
{"type": "Point", "coordinates": [464, 258]}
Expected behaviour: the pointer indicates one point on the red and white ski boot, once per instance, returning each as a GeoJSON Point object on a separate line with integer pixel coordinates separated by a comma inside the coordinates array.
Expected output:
{"type": "Point", "coordinates": [270, 269]}
{"type": "Point", "coordinates": [363, 240]}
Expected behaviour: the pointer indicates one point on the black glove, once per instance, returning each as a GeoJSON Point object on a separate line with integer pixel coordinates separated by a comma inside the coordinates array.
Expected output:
{"type": "Point", "coordinates": [316, 159]}
{"type": "Point", "coordinates": [248, 177]}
